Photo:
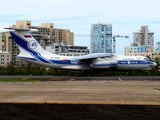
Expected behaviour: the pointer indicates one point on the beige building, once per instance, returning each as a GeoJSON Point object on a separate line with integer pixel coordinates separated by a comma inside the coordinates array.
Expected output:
{"type": "Point", "coordinates": [8, 47]}
{"type": "Point", "coordinates": [144, 37]}
{"type": "Point", "coordinates": [136, 49]}
{"type": "Point", "coordinates": [46, 35]}
{"type": "Point", "coordinates": [5, 59]}
{"type": "Point", "coordinates": [61, 35]}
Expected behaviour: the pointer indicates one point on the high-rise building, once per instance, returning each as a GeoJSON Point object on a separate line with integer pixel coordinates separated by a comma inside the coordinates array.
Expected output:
{"type": "Point", "coordinates": [144, 37]}
{"type": "Point", "coordinates": [143, 43]}
{"type": "Point", "coordinates": [101, 38]}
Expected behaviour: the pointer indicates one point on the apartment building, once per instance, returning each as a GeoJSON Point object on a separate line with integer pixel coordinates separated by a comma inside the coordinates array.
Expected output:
{"type": "Point", "coordinates": [101, 38]}
{"type": "Point", "coordinates": [8, 47]}
{"type": "Point", "coordinates": [143, 43]}
{"type": "Point", "coordinates": [5, 58]}
{"type": "Point", "coordinates": [144, 37]}
{"type": "Point", "coordinates": [60, 35]}
{"type": "Point", "coordinates": [136, 49]}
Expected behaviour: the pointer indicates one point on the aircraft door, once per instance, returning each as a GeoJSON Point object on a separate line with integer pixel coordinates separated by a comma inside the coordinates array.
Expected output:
{"type": "Point", "coordinates": [130, 66]}
{"type": "Point", "coordinates": [113, 64]}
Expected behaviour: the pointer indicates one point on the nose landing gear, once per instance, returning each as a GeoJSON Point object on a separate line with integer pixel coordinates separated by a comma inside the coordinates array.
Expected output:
{"type": "Point", "coordinates": [129, 73]}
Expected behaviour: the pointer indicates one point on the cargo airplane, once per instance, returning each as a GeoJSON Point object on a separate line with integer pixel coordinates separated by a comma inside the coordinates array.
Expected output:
{"type": "Point", "coordinates": [32, 51]}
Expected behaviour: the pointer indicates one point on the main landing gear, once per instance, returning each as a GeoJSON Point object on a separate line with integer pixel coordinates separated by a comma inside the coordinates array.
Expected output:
{"type": "Point", "coordinates": [129, 73]}
{"type": "Point", "coordinates": [90, 73]}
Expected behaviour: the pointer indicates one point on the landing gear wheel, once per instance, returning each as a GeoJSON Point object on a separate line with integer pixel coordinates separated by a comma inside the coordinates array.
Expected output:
{"type": "Point", "coordinates": [92, 74]}
{"type": "Point", "coordinates": [83, 74]}
{"type": "Point", "coordinates": [130, 73]}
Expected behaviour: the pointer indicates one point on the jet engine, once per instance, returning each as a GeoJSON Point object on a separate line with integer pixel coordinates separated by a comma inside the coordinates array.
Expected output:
{"type": "Point", "coordinates": [100, 65]}
{"type": "Point", "coordinates": [104, 65]}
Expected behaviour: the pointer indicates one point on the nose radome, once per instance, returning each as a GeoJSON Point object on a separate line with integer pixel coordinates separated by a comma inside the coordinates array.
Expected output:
{"type": "Point", "coordinates": [154, 64]}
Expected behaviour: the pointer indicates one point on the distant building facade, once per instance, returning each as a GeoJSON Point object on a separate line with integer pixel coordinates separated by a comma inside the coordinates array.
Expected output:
{"type": "Point", "coordinates": [47, 35]}
{"type": "Point", "coordinates": [68, 50]}
{"type": "Point", "coordinates": [136, 49]}
{"type": "Point", "coordinates": [61, 35]}
{"type": "Point", "coordinates": [143, 43]}
{"type": "Point", "coordinates": [101, 38]}
{"type": "Point", "coordinates": [5, 59]}
{"type": "Point", "coordinates": [8, 46]}
{"type": "Point", "coordinates": [144, 37]}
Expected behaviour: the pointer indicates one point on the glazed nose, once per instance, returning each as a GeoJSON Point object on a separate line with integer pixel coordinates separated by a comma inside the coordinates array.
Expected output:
{"type": "Point", "coordinates": [154, 64]}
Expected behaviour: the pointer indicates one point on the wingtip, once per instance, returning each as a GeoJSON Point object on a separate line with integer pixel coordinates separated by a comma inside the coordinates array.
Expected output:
{"type": "Point", "coordinates": [7, 28]}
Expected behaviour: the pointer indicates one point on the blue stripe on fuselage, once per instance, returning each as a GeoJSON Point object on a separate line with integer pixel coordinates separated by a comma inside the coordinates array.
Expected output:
{"type": "Point", "coordinates": [134, 62]}
{"type": "Point", "coordinates": [61, 62]}
{"type": "Point", "coordinates": [125, 62]}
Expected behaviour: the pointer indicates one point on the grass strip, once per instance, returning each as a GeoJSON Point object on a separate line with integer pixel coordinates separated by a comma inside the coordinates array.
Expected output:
{"type": "Point", "coordinates": [19, 80]}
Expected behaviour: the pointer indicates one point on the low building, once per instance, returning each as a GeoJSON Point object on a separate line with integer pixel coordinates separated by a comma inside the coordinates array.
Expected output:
{"type": "Point", "coordinates": [136, 49]}
{"type": "Point", "coordinates": [68, 50]}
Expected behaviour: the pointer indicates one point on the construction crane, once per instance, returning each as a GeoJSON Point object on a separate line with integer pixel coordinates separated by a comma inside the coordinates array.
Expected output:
{"type": "Point", "coordinates": [114, 41]}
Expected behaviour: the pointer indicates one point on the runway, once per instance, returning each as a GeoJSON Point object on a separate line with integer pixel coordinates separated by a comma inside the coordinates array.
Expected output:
{"type": "Point", "coordinates": [82, 92]}
{"type": "Point", "coordinates": [56, 78]}
{"type": "Point", "coordinates": [80, 100]}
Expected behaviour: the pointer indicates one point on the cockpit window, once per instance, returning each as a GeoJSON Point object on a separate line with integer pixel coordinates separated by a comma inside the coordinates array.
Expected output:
{"type": "Point", "coordinates": [148, 59]}
{"type": "Point", "coordinates": [145, 58]}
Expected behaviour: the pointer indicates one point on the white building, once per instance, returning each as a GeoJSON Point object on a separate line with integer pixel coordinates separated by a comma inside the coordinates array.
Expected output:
{"type": "Point", "coordinates": [101, 38]}
{"type": "Point", "coordinates": [68, 50]}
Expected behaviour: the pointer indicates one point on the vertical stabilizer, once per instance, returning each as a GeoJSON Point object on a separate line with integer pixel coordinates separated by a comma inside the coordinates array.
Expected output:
{"type": "Point", "coordinates": [26, 41]}
{"type": "Point", "coordinates": [28, 45]}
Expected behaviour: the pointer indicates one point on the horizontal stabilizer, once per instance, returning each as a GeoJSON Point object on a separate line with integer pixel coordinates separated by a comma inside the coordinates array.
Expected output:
{"type": "Point", "coordinates": [21, 29]}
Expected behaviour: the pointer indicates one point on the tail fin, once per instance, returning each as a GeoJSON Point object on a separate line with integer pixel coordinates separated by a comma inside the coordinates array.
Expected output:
{"type": "Point", "coordinates": [26, 41]}
{"type": "Point", "coordinates": [29, 47]}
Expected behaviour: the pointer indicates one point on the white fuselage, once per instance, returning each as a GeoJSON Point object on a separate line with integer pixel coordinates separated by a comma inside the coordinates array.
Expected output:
{"type": "Point", "coordinates": [116, 62]}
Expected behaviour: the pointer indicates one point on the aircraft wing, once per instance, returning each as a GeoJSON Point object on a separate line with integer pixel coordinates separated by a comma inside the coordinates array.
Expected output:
{"type": "Point", "coordinates": [92, 56]}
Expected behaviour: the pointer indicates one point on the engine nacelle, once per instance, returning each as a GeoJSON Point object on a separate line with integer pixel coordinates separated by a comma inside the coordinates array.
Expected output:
{"type": "Point", "coordinates": [104, 65]}
{"type": "Point", "coordinates": [100, 65]}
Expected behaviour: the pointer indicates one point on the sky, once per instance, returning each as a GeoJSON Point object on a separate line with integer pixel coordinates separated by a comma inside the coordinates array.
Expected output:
{"type": "Point", "coordinates": [126, 16]}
